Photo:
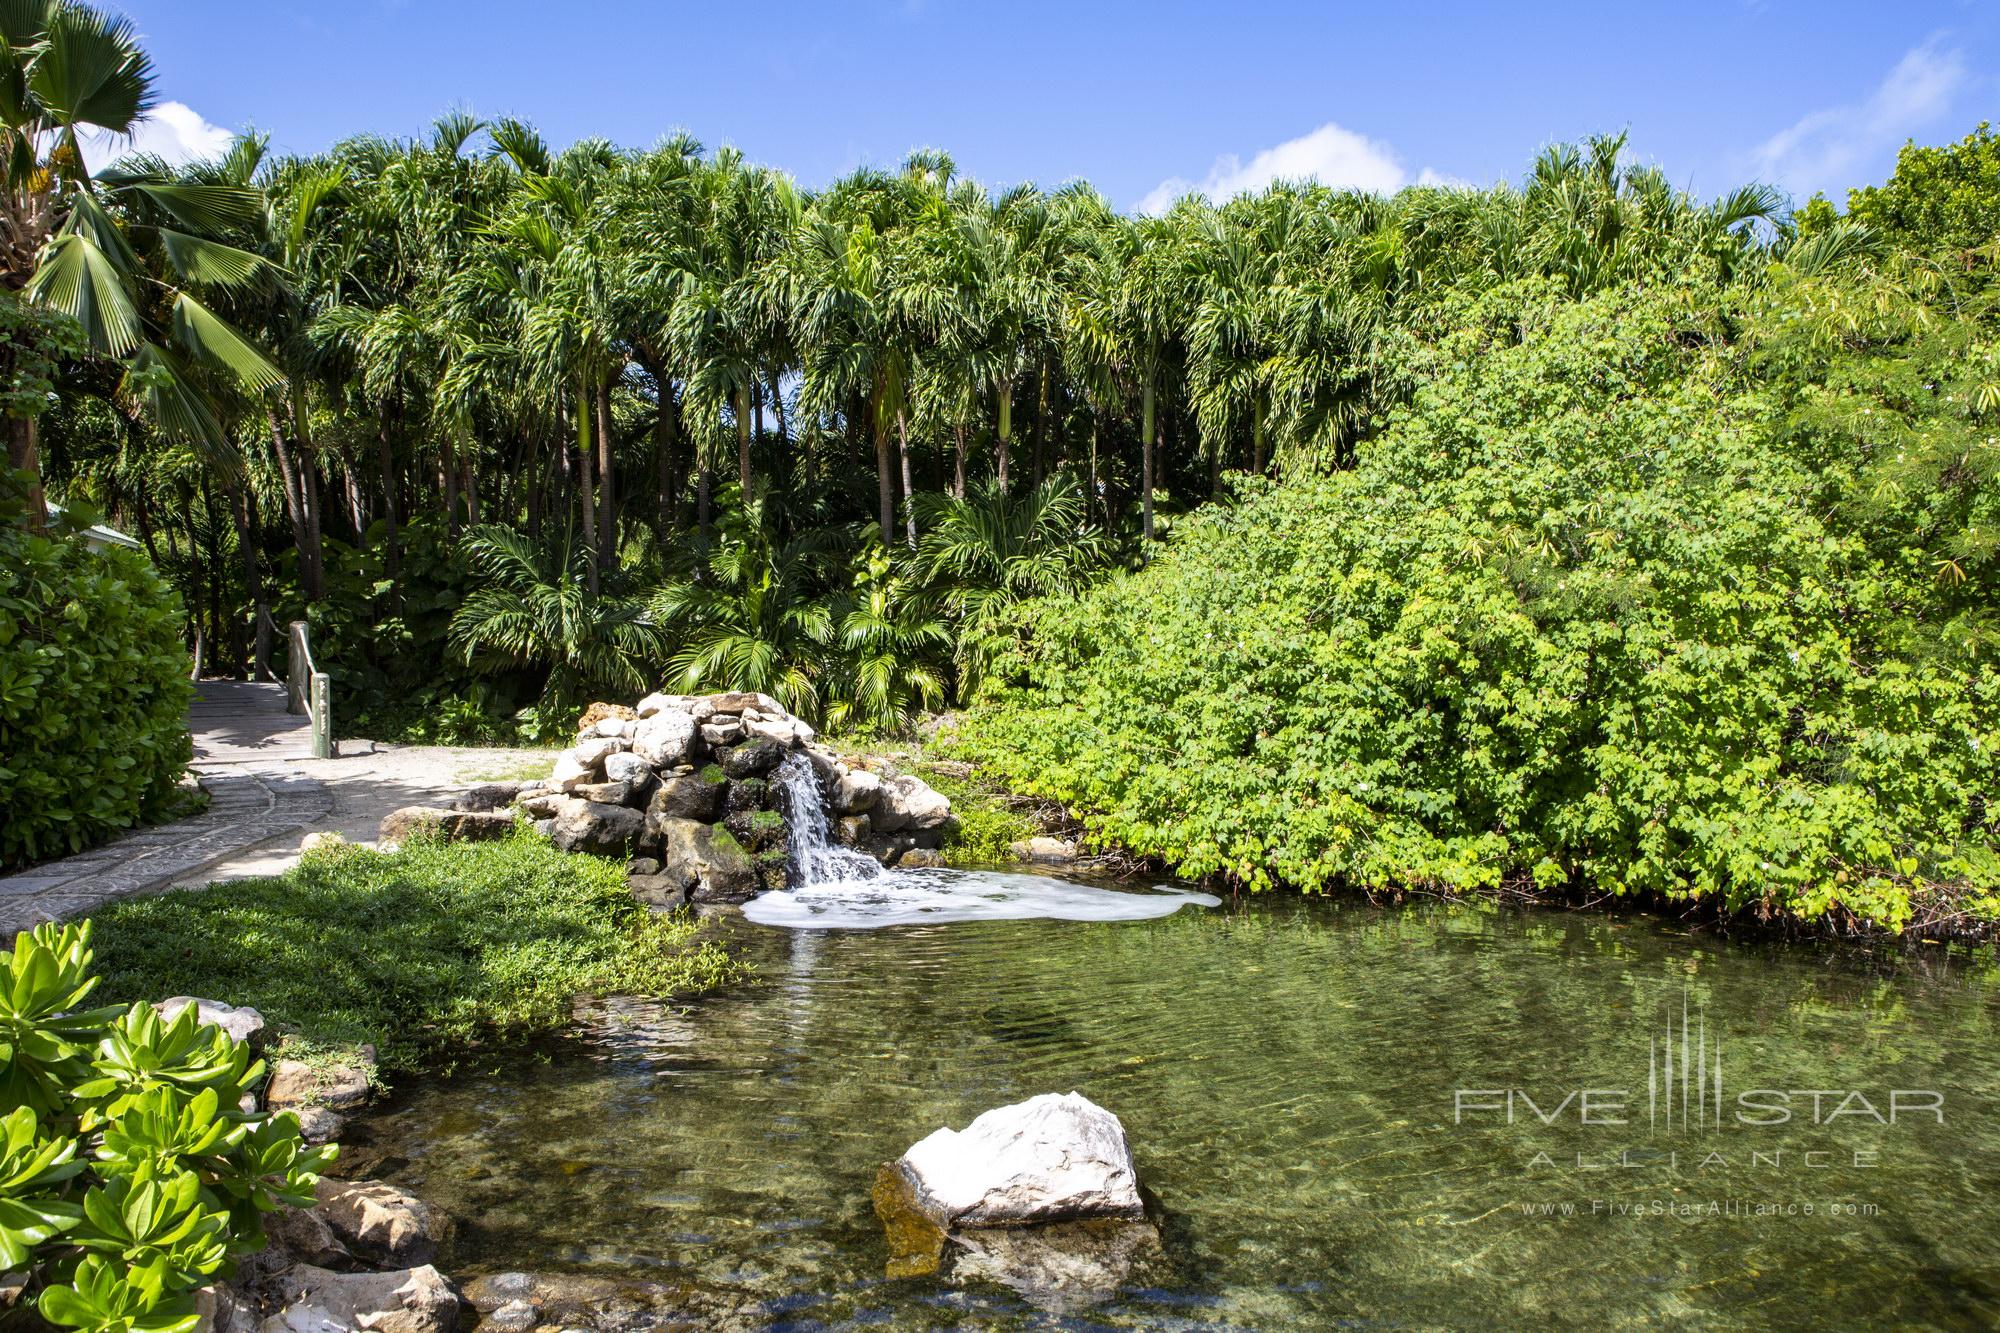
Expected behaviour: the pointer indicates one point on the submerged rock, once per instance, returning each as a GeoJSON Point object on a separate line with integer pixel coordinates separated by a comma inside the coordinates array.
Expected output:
{"type": "Point", "coordinates": [1061, 1267]}
{"type": "Point", "coordinates": [407, 1300]}
{"type": "Point", "coordinates": [1049, 1159]}
{"type": "Point", "coordinates": [378, 1222]}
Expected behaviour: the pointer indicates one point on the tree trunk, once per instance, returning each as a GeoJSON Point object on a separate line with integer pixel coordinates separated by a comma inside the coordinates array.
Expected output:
{"type": "Point", "coordinates": [309, 467]}
{"type": "Point", "coordinates": [294, 486]}
{"type": "Point", "coordinates": [1041, 421]}
{"type": "Point", "coordinates": [24, 455]}
{"type": "Point", "coordinates": [958, 463]}
{"type": "Point", "coordinates": [386, 458]}
{"type": "Point", "coordinates": [1005, 431]}
{"type": "Point", "coordinates": [704, 488]}
{"type": "Point", "coordinates": [607, 468]}
{"type": "Point", "coordinates": [586, 484]}
{"type": "Point", "coordinates": [778, 410]}
{"type": "Point", "coordinates": [1257, 434]}
{"type": "Point", "coordinates": [1094, 498]}
{"type": "Point", "coordinates": [253, 580]}
{"type": "Point", "coordinates": [743, 440]}
{"type": "Point", "coordinates": [1146, 424]}
{"type": "Point", "coordinates": [667, 445]}
{"type": "Point", "coordinates": [448, 483]}
{"type": "Point", "coordinates": [909, 496]}
{"type": "Point", "coordinates": [884, 482]}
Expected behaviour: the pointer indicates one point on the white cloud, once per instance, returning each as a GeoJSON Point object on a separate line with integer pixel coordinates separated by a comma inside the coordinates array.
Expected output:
{"type": "Point", "coordinates": [174, 130]}
{"type": "Point", "coordinates": [1332, 155]}
{"type": "Point", "coordinates": [1828, 149]}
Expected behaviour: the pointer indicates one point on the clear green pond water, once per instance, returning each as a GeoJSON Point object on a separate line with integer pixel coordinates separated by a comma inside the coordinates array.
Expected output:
{"type": "Point", "coordinates": [1287, 1075]}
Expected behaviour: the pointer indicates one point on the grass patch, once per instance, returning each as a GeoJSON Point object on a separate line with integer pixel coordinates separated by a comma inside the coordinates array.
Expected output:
{"type": "Point", "coordinates": [436, 946]}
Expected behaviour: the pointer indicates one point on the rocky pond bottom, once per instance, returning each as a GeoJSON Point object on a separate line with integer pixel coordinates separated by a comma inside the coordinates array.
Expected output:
{"type": "Point", "coordinates": [1317, 1099]}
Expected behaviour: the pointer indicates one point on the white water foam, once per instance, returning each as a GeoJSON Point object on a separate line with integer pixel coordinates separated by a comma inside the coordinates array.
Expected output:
{"type": "Point", "coordinates": [837, 888]}
{"type": "Point", "coordinates": [937, 897]}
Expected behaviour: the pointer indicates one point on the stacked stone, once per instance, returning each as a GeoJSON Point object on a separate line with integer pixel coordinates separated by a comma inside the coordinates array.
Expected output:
{"type": "Point", "coordinates": [684, 786]}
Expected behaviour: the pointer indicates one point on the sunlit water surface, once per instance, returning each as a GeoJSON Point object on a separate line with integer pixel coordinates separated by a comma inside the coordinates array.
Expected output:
{"type": "Point", "coordinates": [1287, 1075]}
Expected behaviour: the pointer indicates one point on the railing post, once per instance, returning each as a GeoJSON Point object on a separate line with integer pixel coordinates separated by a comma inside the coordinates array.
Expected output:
{"type": "Point", "coordinates": [321, 716]}
{"type": "Point", "coordinates": [297, 670]}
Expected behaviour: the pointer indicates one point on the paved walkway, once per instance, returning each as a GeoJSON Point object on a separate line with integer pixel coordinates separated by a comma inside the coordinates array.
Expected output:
{"type": "Point", "coordinates": [265, 793]}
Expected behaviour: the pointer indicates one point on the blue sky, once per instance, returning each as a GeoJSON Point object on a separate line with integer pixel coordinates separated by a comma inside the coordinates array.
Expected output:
{"type": "Point", "coordinates": [1142, 99]}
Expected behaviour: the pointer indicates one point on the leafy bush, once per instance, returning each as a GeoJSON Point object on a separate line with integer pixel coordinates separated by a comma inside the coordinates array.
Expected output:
{"type": "Point", "coordinates": [93, 688]}
{"type": "Point", "coordinates": [1609, 604]}
{"type": "Point", "coordinates": [421, 950]}
{"type": "Point", "coordinates": [128, 1177]}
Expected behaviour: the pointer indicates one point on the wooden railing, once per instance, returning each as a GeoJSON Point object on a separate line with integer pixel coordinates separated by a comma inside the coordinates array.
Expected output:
{"type": "Point", "coordinates": [307, 691]}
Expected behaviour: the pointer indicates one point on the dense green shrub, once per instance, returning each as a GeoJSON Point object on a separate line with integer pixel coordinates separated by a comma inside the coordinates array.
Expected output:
{"type": "Point", "coordinates": [93, 688]}
{"type": "Point", "coordinates": [128, 1177]}
{"type": "Point", "coordinates": [1611, 603]}
{"type": "Point", "coordinates": [417, 951]}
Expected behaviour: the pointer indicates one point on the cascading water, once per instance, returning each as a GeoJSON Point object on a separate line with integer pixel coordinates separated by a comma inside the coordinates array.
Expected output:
{"type": "Point", "coordinates": [837, 888]}
{"type": "Point", "coordinates": [817, 860]}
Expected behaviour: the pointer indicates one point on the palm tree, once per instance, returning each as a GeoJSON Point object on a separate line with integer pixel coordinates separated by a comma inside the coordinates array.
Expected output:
{"type": "Point", "coordinates": [993, 549]}
{"type": "Point", "coordinates": [133, 255]}
{"type": "Point", "coordinates": [893, 666]}
{"type": "Point", "coordinates": [755, 622]}
{"type": "Point", "coordinates": [534, 610]}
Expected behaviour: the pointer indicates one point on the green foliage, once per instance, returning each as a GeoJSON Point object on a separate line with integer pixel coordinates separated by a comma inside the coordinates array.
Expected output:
{"type": "Point", "coordinates": [984, 823]}
{"type": "Point", "coordinates": [128, 1177]}
{"type": "Point", "coordinates": [33, 342]}
{"type": "Point", "coordinates": [1942, 201]}
{"type": "Point", "coordinates": [420, 951]}
{"type": "Point", "coordinates": [752, 623]}
{"type": "Point", "coordinates": [93, 688]}
{"type": "Point", "coordinates": [1608, 604]}
{"type": "Point", "coordinates": [532, 607]}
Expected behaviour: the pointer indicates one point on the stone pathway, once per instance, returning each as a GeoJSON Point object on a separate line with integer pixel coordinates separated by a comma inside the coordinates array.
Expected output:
{"type": "Point", "coordinates": [251, 757]}
{"type": "Point", "coordinates": [265, 793]}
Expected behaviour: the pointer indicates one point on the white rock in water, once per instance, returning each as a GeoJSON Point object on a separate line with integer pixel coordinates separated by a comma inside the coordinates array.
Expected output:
{"type": "Point", "coordinates": [663, 739]}
{"type": "Point", "coordinates": [1052, 1158]}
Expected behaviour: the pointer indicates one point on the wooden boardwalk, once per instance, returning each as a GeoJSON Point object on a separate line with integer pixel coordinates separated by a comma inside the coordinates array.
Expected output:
{"type": "Point", "coordinates": [255, 762]}
{"type": "Point", "coordinates": [245, 722]}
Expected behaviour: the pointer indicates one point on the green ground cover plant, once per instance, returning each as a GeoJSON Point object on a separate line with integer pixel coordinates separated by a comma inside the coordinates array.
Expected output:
{"type": "Point", "coordinates": [421, 952]}
{"type": "Point", "coordinates": [128, 1177]}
